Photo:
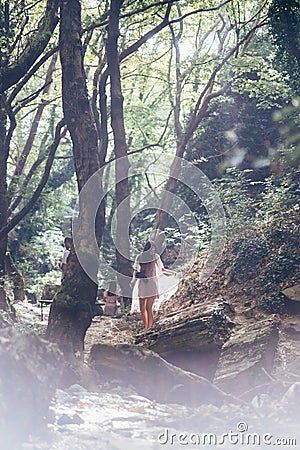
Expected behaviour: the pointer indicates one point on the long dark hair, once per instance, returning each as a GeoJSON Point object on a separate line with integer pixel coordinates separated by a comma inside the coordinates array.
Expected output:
{"type": "Point", "coordinates": [112, 288]}
{"type": "Point", "coordinates": [145, 259]}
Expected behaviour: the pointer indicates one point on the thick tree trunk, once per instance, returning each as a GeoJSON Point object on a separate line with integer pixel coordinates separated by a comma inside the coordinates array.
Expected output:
{"type": "Point", "coordinates": [3, 203]}
{"type": "Point", "coordinates": [36, 44]}
{"type": "Point", "coordinates": [120, 148]}
{"type": "Point", "coordinates": [16, 278]}
{"type": "Point", "coordinates": [72, 309]}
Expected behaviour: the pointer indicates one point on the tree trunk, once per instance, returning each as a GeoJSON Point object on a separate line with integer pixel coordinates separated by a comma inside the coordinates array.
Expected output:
{"type": "Point", "coordinates": [10, 74]}
{"type": "Point", "coordinates": [3, 203]}
{"type": "Point", "coordinates": [72, 309]}
{"type": "Point", "coordinates": [162, 215]}
{"type": "Point", "coordinates": [16, 278]}
{"type": "Point", "coordinates": [120, 148]}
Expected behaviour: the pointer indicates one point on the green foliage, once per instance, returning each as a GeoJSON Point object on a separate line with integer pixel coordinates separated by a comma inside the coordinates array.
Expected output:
{"type": "Point", "coordinates": [288, 120]}
{"type": "Point", "coordinates": [236, 132]}
{"type": "Point", "coordinates": [278, 202]}
{"type": "Point", "coordinates": [237, 199]}
{"type": "Point", "coordinates": [259, 206]}
{"type": "Point", "coordinates": [272, 303]}
{"type": "Point", "coordinates": [17, 20]}
{"type": "Point", "coordinates": [258, 78]}
{"type": "Point", "coordinates": [250, 253]}
{"type": "Point", "coordinates": [149, 89]}
{"type": "Point", "coordinates": [281, 267]}
{"type": "Point", "coordinates": [41, 258]}
{"type": "Point", "coordinates": [284, 18]}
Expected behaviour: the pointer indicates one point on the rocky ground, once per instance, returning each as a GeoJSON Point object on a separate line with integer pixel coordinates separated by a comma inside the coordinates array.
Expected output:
{"type": "Point", "coordinates": [120, 413]}
{"type": "Point", "coordinates": [220, 367]}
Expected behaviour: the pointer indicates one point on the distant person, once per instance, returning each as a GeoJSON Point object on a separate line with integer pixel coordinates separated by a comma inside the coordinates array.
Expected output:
{"type": "Point", "coordinates": [111, 298]}
{"type": "Point", "coordinates": [67, 244]}
{"type": "Point", "coordinates": [147, 267]}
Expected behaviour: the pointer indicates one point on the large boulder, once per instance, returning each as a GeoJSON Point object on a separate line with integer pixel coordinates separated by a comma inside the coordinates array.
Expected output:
{"type": "Point", "coordinates": [191, 337]}
{"type": "Point", "coordinates": [152, 376]}
{"type": "Point", "coordinates": [247, 358]}
{"type": "Point", "coordinates": [292, 299]}
{"type": "Point", "coordinates": [30, 371]}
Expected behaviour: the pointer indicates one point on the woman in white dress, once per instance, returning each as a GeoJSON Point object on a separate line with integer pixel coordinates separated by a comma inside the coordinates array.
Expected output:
{"type": "Point", "coordinates": [146, 268]}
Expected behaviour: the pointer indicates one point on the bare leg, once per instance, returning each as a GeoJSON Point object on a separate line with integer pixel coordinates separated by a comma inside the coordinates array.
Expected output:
{"type": "Point", "coordinates": [149, 309]}
{"type": "Point", "coordinates": [144, 313]}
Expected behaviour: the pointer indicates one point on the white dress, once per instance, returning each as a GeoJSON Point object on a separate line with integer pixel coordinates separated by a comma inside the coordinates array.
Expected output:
{"type": "Point", "coordinates": [166, 285]}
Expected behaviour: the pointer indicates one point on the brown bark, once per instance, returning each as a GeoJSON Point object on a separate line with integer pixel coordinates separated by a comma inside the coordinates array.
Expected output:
{"type": "Point", "coordinates": [33, 130]}
{"type": "Point", "coordinates": [10, 75]}
{"type": "Point", "coordinates": [103, 80]}
{"type": "Point", "coordinates": [120, 147]}
{"type": "Point", "coordinates": [5, 229]}
{"type": "Point", "coordinates": [72, 309]}
{"type": "Point", "coordinates": [3, 202]}
{"type": "Point", "coordinates": [16, 278]}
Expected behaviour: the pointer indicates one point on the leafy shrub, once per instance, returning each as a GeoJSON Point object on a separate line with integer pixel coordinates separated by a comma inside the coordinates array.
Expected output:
{"type": "Point", "coordinates": [250, 252]}
{"type": "Point", "coordinates": [272, 303]}
{"type": "Point", "coordinates": [281, 267]}
{"type": "Point", "coordinates": [261, 206]}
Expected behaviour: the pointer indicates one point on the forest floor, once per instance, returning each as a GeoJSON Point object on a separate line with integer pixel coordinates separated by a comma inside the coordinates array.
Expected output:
{"type": "Point", "coordinates": [103, 329]}
{"type": "Point", "coordinates": [116, 417]}
{"type": "Point", "coordinates": [123, 329]}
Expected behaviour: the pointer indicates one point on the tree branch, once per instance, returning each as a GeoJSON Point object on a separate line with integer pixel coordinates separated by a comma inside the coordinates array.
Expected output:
{"type": "Point", "coordinates": [32, 172]}
{"type": "Point", "coordinates": [34, 126]}
{"type": "Point", "coordinates": [31, 72]}
{"type": "Point", "coordinates": [200, 10]}
{"type": "Point", "coordinates": [10, 75]}
{"type": "Point", "coordinates": [22, 213]}
{"type": "Point", "coordinates": [103, 80]}
{"type": "Point", "coordinates": [12, 126]}
{"type": "Point", "coordinates": [206, 95]}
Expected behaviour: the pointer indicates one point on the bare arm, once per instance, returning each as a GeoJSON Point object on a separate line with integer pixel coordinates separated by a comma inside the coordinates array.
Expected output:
{"type": "Point", "coordinates": [169, 271]}
{"type": "Point", "coordinates": [162, 268]}
{"type": "Point", "coordinates": [63, 267]}
{"type": "Point", "coordinates": [133, 280]}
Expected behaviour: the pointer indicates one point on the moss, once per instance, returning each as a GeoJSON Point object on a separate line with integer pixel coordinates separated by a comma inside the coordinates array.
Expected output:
{"type": "Point", "coordinates": [250, 253]}
{"type": "Point", "coordinates": [281, 266]}
{"type": "Point", "coordinates": [272, 303]}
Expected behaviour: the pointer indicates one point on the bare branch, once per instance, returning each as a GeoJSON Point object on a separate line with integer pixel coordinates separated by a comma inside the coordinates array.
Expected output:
{"type": "Point", "coordinates": [31, 72]}
{"type": "Point", "coordinates": [19, 35]}
{"type": "Point", "coordinates": [33, 170]}
{"type": "Point", "coordinates": [31, 97]}
{"type": "Point", "coordinates": [156, 144]}
{"type": "Point", "coordinates": [150, 186]}
{"type": "Point", "coordinates": [22, 213]}
{"type": "Point", "coordinates": [34, 126]}
{"type": "Point", "coordinates": [207, 95]}
{"type": "Point", "coordinates": [200, 10]}
{"type": "Point", "coordinates": [102, 84]}
{"type": "Point", "coordinates": [10, 75]}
